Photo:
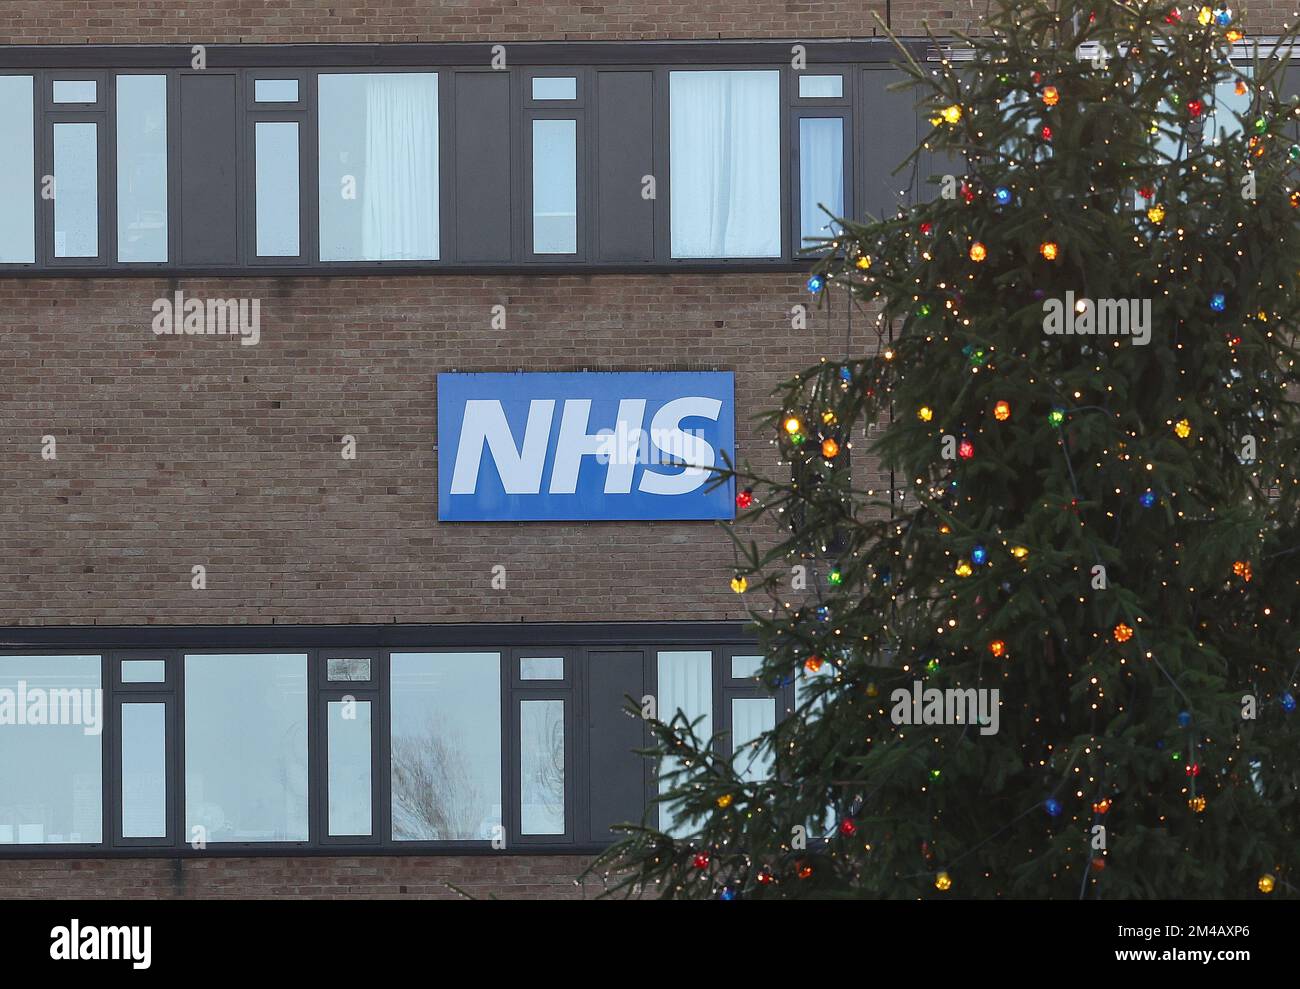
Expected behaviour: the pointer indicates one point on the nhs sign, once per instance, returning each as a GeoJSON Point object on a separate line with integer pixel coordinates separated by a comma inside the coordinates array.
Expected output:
{"type": "Point", "coordinates": [599, 445]}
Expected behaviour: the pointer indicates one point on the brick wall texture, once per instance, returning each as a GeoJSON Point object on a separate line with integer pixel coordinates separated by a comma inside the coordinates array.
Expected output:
{"type": "Point", "coordinates": [173, 451]}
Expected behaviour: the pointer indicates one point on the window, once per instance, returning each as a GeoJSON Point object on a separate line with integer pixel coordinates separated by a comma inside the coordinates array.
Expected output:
{"type": "Point", "coordinates": [555, 186]}
{"type": "Point", "coordinates": [51, 755]}
{"type": "Point", "coordinates": [685, 685]}
{"type": "Point", "coordinates": [541, 735]}
{"type": "Point", "coordinates": [446, 746]}
{"type": "Point", "coordinates": [17, 171]}
{"type": "Point", "coordinates": [541, 668]}
{"type": "Point", "coordinates": [821, 87]}
{"type": "Point", "coordinates": [76, 190]}
{"type": "Point", "coordinates": [725, 164]}
{"type": "Point", "coordinates": [144, 770]}
{"type": "Point", "coordinates": [275, 90]}
{"type": "Point", "coordinates": [246, 747]}
{"type": "Point", "coordinates": [277, 188]}
{"type": "Point", "coordinates": [142, 168]}
{"type": "Point", "coordinates": [347, 668]}
{"type": "Point", "coordinates": [144, 671]}
{"type": "Point", "coordinates": [821, 176]}
{"type": "Point", "coordinates": [83, 91]}
{"type": "Point", "coordinates": [378, 156]}
{"type": "Point", "coordinates": [750, 718]}
{"type": "Point", "coordinates": [555, 88]}
{"type": "Point", "coordinates": [348, 756]}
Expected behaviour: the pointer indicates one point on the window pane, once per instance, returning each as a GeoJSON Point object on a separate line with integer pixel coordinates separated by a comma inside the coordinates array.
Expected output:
{"type": "Point", "coordinates": [541, 770]}
{"type": "Point", "coordinates": [555, 87]}
{"type": "Point", "coordinates": [76, 191]}
{"type": "Point", "coordinates": [725, 156]}
{"type": "Point", "coordinates": [75, 91]}
{"type": "Point", "coordinates": [275, 90]}
{"type": "Point", "coordinates": [446, 746]}
{"type": "Point", "coordinates": [555, 187]}
{"type": "Point", "coordinates": [144, 671]}
{"type": "Point", "coordinates": [541, 668]}
{"type": "Point", "coordinates": [277, 189]}
{"type": "Point", "coordinates": [821, 87]}
{"type": "Point", "coordinates": [17, 171]}
{"type": "Point", "coordinates": [685, 684]}
{"type": "Point", "coordinates": [821, 174]}
{"type": "Point", "coordinates": [144, 770]}
{"type": "Point", "coordinates": [51, 768]}
{"type": "Point", "coordinates": [379, 166]}
{"type": "Point", "coordinates": [246, 747]}
{"type": "Point", "coordinates": [349, 784]}
{"type": "Point", "coordinates": [745, 667]}
{"type": "Point", "coordinates": [142, 168]}
{"type": "Point", "coordinates": [750, 718]}
{"type": "Point", "coordinates": [348, 668]}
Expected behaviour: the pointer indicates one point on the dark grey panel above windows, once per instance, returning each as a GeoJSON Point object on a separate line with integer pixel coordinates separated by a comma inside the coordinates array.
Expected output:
{"type": "Point", "coordinates": [682, 156]}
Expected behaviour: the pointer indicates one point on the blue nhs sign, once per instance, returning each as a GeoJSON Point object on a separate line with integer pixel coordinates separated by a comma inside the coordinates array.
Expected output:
{"type": "Point", "coordinates": [599, 445]}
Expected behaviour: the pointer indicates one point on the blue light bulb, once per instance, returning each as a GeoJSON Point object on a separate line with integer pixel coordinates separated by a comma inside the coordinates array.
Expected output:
{"type": "Point", "coordinates": [1002, 194]}
{"type": "Point", "coordinates": [1223, 17]}
{"type": "Point", "coordinates": [815, 284]}
{"type": "Point", "coordinates": [1053, 807]}
{"type": "Point", "coordinates": [1218, 302]}
{"type": "Point", "coordinates": [846, 374]}
{"type": "Point", "coordinates": [1148, 498]}
{"type": "Point", "coordinates": [1288, 702]}
{"type": "Point", "coordinates": [728, 893]}
{"type": "Point", "coordinates": [978, 555]}
{"type": "Point", "coordinates": [1184, 718]}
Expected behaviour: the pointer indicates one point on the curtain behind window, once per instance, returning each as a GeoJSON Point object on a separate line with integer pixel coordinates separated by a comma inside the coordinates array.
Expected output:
{"type": "Point", "coordinates": [725, 157]}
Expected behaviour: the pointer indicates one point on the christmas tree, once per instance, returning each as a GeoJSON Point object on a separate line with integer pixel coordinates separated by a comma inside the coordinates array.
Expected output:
{"type": "Point", "coordinates": [1056, 655]}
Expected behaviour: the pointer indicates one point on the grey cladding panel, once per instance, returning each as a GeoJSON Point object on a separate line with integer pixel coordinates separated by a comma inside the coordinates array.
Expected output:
{"type": "Point", "coordinates": [625, 153]}
{"type": "Point", "coordinates": [618, 783]}
{"type": "Point", "coordinates": [483, 188]}
{"type": "Point", "coordinates": [890, 137]}
{"type": "Point", "coordinates": [208, 170]}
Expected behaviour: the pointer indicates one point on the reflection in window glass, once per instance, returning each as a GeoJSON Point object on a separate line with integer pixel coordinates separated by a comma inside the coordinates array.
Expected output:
{"type": "Point", "coordinates": [246, 747]}
{"type": "Point", "coordinates": [378, 193]}
{"type": "Point", "coordinates": [821, 87]}
{"type": "Point", "coordinates": [76, 191]}
{"type": "Point", "coordinates": [144, 671]}
{"type": "Point", "coordinates": [347, 668]}
{"type": "Point", "coordinates": [75, 91]}
{"type": "Point", "coordinates": [725, 162]}
{"type": "Point", "coordinates": [821, 175]}
{"type": "Point", "coordinates": [541, 770]}
{"type": "Point", "coordinates": [141, 168]}
{"type": "Point", "coordinates": [349, 783]}
{"type": "Point", "coordinates": [750, 718]}
{"type": "Point", "coordinates": [555, 187]}
{"type": "Point", "coordinates": [51, 755]}
{"type": "Point", "coordinates": [555, 87]}
{"type": "Point", "coordinates": [541, 668]}
{"type": "Point", "coordinates": [277, 188]}
{"type": "Point", "coordinates": [746, 667]}
{"type": "Point", "coordinates": [275, 90]}
{"type": "Point", "coordinates": [686, 685]}
{"type": "Point", "coordinates": [446, 746]}
{"type": "Point", "coordinates": [144, 770]}
{"type": "Point", "coordinates": [17, 171]}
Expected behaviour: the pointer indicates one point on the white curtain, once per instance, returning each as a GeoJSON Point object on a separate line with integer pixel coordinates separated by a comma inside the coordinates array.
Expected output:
{"type": "Point", "coordinates": [821, 175]}
{"type": "Point", "coordinates": [685, 684]}
{"type": "Point", "coordinates": [400, 184]}
{"type": "Point", "coordinates": [725, 158]}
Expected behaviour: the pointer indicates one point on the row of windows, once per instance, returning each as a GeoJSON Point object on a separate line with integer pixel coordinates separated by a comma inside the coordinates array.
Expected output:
{"type": "Point", "coordinates": [252, 168]}
{"type": "Point", "coordinates": [363, 747]}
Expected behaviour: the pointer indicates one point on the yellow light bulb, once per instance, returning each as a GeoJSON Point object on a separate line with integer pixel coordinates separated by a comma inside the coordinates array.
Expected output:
{"type": "Point", "coordinates": [1183, 428]}
{"type": "Point", "coordinates": [792, 425]}
{"type": "Point", "coordinates": [925, 413]}
{"type": "Point", "coordinates": [943, 882]}
{"type": "Point", "coordinates": [1156, 214]}
{"type": "Point", "coordinates": [952, 114]}
{"type": "Point", "coordinates": [1049, 250]}
{"type": "Point", "coordinates": [978, 252]}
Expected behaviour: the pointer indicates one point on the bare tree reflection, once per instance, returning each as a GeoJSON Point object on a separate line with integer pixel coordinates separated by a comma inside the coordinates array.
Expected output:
{"type": "Point", "coordinates": [435, 797]}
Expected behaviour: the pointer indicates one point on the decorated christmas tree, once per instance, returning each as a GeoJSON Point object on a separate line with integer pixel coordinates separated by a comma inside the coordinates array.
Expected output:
{"type": "Point", "coordinates": [1055, 653]}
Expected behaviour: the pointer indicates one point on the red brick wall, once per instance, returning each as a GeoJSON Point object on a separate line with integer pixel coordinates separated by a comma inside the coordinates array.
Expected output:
{"type": "Point", "coordinates": [550, 877]}
{"type": "Point", "coordinates": [176, 451]}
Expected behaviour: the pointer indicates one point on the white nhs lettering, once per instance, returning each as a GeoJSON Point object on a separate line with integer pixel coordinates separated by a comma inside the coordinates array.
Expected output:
{"type": "Point", "coordinates": [521, 467]}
